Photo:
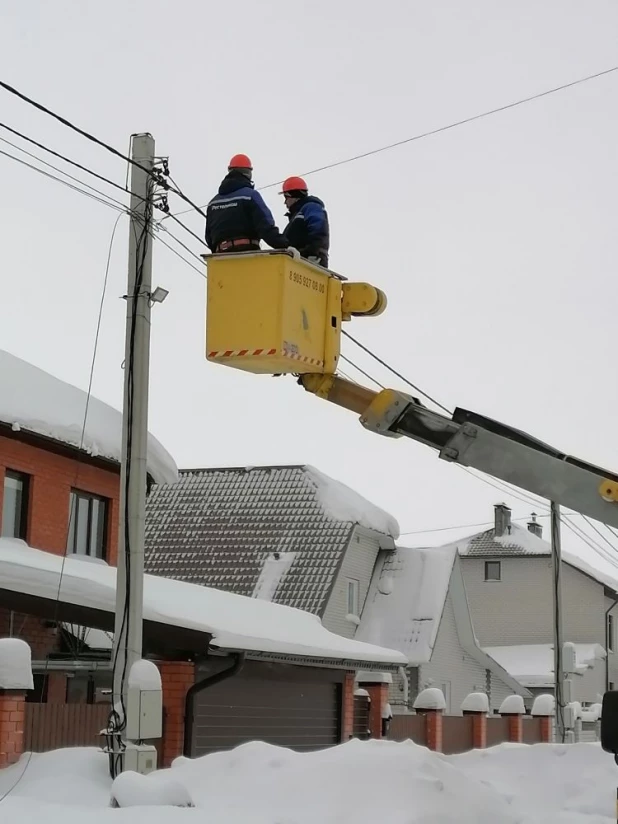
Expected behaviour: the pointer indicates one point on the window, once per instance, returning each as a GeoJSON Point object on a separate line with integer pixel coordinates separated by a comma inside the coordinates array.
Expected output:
{"type": "Point", "coordinates": [87, 524]}
{"type": "Point", "coordinates": [15, 505]}
{"type": "Point", "coordinates": [610, 633]}
{"type": "Point", "coordinates": [492, 570]}
{"type": "Point", "coordinates": [353, 588]}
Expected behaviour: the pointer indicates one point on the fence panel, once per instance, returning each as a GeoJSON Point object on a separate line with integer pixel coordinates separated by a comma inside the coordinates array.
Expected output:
{"type": "Point", "coordinates": [404, 727]}
{"type": "Point", "coordinates": [497, 731]}
{"type": "Point", "coordinates": [51, 726]}
{"type": "Point", "coordinates": [532, 730]}
{"type": "Point", "coordinates": [456, 734]}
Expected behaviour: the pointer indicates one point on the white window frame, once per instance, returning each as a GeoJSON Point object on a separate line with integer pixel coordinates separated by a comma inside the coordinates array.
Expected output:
{"type": "Point", "coordinates": [611, 633]}
{"type": "Point", "coordinates": [352, 594]}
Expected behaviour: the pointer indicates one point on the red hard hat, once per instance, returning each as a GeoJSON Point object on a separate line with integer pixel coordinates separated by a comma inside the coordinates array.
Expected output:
{"type": "Point", "coordinates": [293, 184]}
{"type": "Point", "coordinates": [240, 161]}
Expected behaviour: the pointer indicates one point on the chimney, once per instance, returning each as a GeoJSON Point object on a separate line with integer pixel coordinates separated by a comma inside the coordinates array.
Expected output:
{"type": "Point", "coordinates": [502, 520]}
{"type": "Point", "coordinates": [534, 526]}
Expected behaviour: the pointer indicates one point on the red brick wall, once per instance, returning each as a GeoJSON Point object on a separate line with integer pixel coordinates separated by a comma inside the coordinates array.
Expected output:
{"type": "Point", "coordinates": [176, 678]}
{"type": "Point", "coordinates": [51, 478]}
{"type": "Point", "coordinates": [347, 710]}
{"type": "Point", "coordinates": [379, 698]}
{"type": "Point", "coordinates": [12, 718]}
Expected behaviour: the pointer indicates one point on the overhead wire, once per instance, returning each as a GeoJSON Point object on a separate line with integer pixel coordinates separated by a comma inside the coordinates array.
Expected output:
{"type": "Point", "coordinates": [448, 127]}
{"type": "Point", "coordinates": [62, 157]}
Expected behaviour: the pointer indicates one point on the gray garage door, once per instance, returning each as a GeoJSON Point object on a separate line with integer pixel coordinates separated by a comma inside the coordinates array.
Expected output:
{"type": "Point", "coordinates": [302, 715]}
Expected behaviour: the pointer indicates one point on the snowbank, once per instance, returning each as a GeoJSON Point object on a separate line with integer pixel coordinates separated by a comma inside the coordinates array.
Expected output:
{"type": "Point", "coordinates": [341, 503]}
{"type": "Point", "coordinates": [36, 401]}
{"type": "Point", "coordinates": [235, 621]}
{"type": "Point", "coordinates": [15, 665]}
{"type": "Point", "coordinates": [355, 783]}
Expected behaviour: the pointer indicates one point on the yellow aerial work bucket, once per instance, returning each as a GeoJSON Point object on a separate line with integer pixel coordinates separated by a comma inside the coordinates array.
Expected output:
{"type": "Point", "coordinates": [272, 313]}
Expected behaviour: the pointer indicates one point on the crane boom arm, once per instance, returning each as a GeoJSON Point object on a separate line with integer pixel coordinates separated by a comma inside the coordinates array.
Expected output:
{"type": "Point", "coordinates": [478, 442]}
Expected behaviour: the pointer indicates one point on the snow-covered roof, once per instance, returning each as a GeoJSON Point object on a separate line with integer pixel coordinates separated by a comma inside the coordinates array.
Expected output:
{"type": "Point", "coordinates": [406, 599]}
{"type": "Point", "coordinates": [521, 542]}
{"type": "Point", "coordinates": [234, 621]}
{"type": "Point", "coordinates": [35, 401]}
{"type": "Point", "coordinates": [273, 532]}
{"type": "Point", "coordinates": [533, 664]}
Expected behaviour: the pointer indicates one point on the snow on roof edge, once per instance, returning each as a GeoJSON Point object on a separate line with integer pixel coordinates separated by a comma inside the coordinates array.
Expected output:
{"type": "Point", "coordinates": [341, 503]}
{"type": "Point", "coordinates": [36, 401]}
{"type": "Point", "coordinates": [233, 621]}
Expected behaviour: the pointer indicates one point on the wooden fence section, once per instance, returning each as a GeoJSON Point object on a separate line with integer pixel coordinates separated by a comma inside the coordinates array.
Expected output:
{"type": "Point", "coordinates": [497, 730]}
{"type": "Point", "coordinates": [457, 734]}
{"type": "Point", "coordinates": [50, 726]}
{"type": "Point", "coordinates": [404, 727]}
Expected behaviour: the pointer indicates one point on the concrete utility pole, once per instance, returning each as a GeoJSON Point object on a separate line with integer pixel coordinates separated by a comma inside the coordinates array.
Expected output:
{"type": "Point", "coordinates": [130, 580]}
{"type": "Point", "coordinates": [556, 565]}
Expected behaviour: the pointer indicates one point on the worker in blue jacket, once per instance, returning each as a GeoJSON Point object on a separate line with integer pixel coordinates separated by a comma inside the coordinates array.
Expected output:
{"type": "Point", "coordinates": [308, 229]}
{"type": "Point", "coordinates": [237, 218]}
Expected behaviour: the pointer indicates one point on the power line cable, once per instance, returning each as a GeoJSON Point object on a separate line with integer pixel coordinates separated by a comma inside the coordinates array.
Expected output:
{"type": "Point", "coordinates": [64, 182]}
{"type": "Point", "coordinates": [62, 172]}
{"type": "Point", "coordinates": [362, 371]}
{"type": "Point", "coordinates": [446, 128]}
{"type": "Point", "coordinates": [62, 157]}
{"type": "Point", "coordinates": [394, 371]}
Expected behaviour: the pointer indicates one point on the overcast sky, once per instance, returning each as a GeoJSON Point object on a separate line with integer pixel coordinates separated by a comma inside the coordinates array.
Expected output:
{"type": "Point", "coordinates": [495, 241]}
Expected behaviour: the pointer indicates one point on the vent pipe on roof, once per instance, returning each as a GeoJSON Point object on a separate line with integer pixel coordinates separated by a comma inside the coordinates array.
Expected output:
{"type": "Point", "coordinates": [502, 520]}
{"type": "Point", "coordinates": [534, 526]}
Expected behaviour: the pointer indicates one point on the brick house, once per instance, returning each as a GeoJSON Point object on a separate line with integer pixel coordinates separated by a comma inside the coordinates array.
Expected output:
{"type": "Point", "coordinates": [60, 490]}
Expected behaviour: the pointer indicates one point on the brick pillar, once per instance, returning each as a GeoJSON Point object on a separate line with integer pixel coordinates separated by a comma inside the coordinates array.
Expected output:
{"type": "Point", "coordinates": [347, 709]}
{"type": "Point", "coordinates": [433, 729]}
{"type": "Point", "coordinates": [12, 721]}
{"type": "Point", "coordinates": [176, 678]}
{"type": "Point", "coordinates": [378, 694]}
{"type": "Point", "coordinates": [516, 727]}
{"type": "Point", "coordinates": [547, 735]}
{"type": "Point", "coordinates": [479, 729]}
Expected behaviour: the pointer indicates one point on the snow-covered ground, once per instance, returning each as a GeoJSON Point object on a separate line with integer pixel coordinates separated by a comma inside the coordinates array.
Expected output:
{"type": "Point", "coordinates": [355, 783]}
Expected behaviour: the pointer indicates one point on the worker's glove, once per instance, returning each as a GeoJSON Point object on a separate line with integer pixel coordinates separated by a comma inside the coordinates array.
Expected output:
{"type": "Point", "coordinates": [295, 252]}
{"type": "Point", "coordinates": [314, 259]}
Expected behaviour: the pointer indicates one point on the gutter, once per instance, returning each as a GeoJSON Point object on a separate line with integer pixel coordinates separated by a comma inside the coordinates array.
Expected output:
{"type": "Point", "coordinates": [200, 686]}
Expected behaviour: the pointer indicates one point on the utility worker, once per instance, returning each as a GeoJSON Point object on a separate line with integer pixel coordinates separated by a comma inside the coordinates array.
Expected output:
{"type": "Point", "coordinates": [237, 217]}
{"type": "Point", "coordinates": [308, 229]}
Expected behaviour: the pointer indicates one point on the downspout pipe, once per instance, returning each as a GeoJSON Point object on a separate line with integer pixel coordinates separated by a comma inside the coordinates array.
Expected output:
{"type": "Point", "coordinates": [199, 686]}
{"type": "Point", "coordinates": [607, 640]}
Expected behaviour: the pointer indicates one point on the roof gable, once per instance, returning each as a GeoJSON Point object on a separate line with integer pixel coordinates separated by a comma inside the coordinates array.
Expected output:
{"type": "Point", "coordinates": [275, 533]}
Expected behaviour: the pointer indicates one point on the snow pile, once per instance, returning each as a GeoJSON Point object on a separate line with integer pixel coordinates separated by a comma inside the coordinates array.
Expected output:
{"type": "Point", "coordinates": [145, 675]}
{"type": "Point", "coordinates": [404, 606]}
{"type": "Point", "coordinates": [276, 565]}
{"type": "Point", "coordinates": [533, 664]}
{"type": "Point", "coordinates": [476, 702]}
{"type": "Point", "coordinates": [235, 621]}
{"type": "Point", "coordinates": [341, 503]}
{"type": "Point", "coordinates": [512, 705]}
{"type": "Point", "coordinates": [355, 783]}
{"type": "Point", "coordinates": [431, 698]}
{"type": "Point", "coordinates": [15, 665]}
{"type": "Point", "coordinates": [131, 789]}
{"type": "Point", "coordinates": [36, 401]}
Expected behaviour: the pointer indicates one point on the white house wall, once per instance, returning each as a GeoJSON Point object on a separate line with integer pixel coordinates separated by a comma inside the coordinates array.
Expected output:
{"type": "Point", "coordinates": [358, 565]}
{"type": "Point", "coordinates": [455, 671]}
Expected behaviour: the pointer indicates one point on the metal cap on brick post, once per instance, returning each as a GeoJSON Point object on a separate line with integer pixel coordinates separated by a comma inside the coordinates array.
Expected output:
{"type": "Point", "coordinates": [544, 708]}
{"type": "Point", "coordinates": [431, 704]}
{"type": "Point", "coordinates": [514, 709]}
{"type": "Point", "coordinates": [15, 680]}
{"type": "Point", "coordinates": [476, 704]}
